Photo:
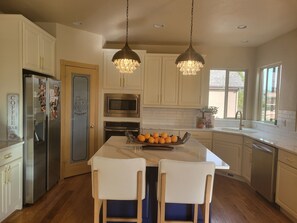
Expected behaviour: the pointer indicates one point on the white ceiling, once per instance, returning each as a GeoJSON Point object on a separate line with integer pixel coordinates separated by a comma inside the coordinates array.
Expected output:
{"type": "Point", "coordinates": [215, 21]}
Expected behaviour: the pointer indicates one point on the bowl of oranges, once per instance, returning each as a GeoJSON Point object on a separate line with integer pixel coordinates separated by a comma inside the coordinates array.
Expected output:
{"type": "Point", "coordinates": [161, 139]}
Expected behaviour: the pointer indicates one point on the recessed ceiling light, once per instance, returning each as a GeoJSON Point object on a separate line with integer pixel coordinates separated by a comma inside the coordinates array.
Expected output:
{"type": "Point", "coordinates": [242, 27]}
{"type": "Point", "coordinates": [159, 26]}
{"type": "Point", "coordinates": [77, 23]}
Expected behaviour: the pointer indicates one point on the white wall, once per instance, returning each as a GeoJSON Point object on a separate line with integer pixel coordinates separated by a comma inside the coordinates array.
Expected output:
{"type": "Point", "coordinates": [78, 46]}
{"type": "Point", "coordinates": [10, 68]}
{"type": "Point", "coordinates": [283, 49]}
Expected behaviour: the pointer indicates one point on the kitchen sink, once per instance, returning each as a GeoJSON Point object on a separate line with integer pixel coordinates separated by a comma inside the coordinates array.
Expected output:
{"type": "Point", "coordinates": [244, 130]}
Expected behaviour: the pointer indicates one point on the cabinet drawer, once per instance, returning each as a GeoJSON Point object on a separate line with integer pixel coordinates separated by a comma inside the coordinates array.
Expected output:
{"type": "Point", "coordinates": [199, 134]}
{"type": "Point", "coordinates": [287, 158]}
{"type": "Point", "coordinates": [226, 137]}
{"type": "Point", "coordinates": [11, 153]}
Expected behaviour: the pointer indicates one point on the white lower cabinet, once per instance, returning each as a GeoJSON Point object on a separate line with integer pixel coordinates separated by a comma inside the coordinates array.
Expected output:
{"type": "Point", "coordinates": [246, 166]}
{"type": "Point", "coordinates": [11, 180]}
{"type": "Point", "coordinates": [204, 137]}
{"type": "Point", "coordinates": [286, 183]}
{"type": "Point", "coordinates": [229, 148]}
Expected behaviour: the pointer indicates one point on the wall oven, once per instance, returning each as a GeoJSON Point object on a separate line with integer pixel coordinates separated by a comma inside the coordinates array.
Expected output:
{"type": "Point", "coordinates": [119, 129]}
{"type": "Point", "coordinates": [122, 105]}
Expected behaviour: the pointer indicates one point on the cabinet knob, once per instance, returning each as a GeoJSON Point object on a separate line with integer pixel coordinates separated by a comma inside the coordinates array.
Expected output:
{"type": "Point", "coordinates": [7, 156]}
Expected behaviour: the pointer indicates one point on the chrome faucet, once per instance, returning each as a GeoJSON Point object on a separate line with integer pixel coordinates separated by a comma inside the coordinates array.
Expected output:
{"type": "Point", "coordinates": [240, 117]}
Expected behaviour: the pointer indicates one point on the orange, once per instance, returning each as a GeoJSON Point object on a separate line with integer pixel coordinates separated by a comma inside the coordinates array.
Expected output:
{"type": "Point", "coordinates": [162, 140]}
{"type": "Point", "coordinates": [155, 135]}
{"type": "Point", "coordinates": [174, 138]}
{"type": "Point", "coordinates": [164, 135]}
{"type": "Point", "coordinates": [147, 135]}
{"type": "Point", "coordinates": [168, 139]}
{"type": "Point", "coordinates": [151, 140]}
{"type": "Point", "coordinates": [157, 139]}
{"type": "Point", "coordinates": [141, 138]}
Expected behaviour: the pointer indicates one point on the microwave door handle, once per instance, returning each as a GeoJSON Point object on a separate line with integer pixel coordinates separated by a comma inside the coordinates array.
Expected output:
{"type": "Point", "coordinates": [133, 130]}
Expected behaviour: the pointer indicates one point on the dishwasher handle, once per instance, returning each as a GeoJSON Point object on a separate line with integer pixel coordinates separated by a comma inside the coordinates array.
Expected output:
{"type": "Point", "coordinates": [262, 148]}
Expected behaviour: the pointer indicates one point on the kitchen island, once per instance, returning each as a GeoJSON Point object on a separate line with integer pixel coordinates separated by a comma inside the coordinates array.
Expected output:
{"type": "Point", "coordinates": [192, 150]}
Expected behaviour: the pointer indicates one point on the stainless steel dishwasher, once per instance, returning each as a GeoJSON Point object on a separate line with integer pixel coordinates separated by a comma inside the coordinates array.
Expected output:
{"type": "Point", "coordinates": [263, 176]}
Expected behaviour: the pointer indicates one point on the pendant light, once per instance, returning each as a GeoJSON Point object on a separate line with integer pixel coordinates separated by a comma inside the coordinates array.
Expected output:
{"type": "Point", "coordinates": [190, 62]}
{"type": "Point", "coordinates": [126, 60]}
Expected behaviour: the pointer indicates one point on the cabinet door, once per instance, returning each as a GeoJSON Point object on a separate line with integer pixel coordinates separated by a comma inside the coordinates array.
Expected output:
{"type": "Point", "coordinates": [170, 76]}
{"type": "Point", "coordinates": [190, 90]}
{"type": "Point", "coordinates": [152, 80]}
{"type": "Point", "coordinates": [134, 81]}
{"type": "Point", "coordinates": [14, 186]}
{"type": "Point", "coordinates": [31, 57]}
{"type": "Point", "coordinates": [47, 54]}
{"type": "Point", "coordinates": [113, 79]}
{"type": "Point", "coordinates": [286, 185]}
{"type": "Point", "coordinates": [230, 153]}
{"type": "Point", "coordinates": [247, 163]}
{"type": "Point", "coordinates": [3, 207]}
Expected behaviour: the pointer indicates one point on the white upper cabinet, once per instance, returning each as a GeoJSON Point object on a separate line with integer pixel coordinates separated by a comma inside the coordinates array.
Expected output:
{"type": "Point", "coordinates": [113, 79]}
{"type": "Point", "coordinates": [170, 77]}
{"type": "Point", "coordinates": [152, 80]}
{"type": "Point", "coordinates": [161, 80]}
{"type": "Point", "coordinates": [38, 50]}
{"type": "Point", "coordinates": [165, 86]}
{"type": "Point", "coordinates": [190, 90]}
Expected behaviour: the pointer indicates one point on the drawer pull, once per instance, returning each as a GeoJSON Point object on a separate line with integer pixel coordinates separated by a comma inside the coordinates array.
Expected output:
{"type": "Point", "coordinates": [7, 156]}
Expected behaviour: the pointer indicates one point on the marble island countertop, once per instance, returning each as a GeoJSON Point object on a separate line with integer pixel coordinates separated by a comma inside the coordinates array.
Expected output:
{"type": "Point", "coordinates": [281, 142]}
{"type": "Point", "coordinates": [192, 150]}
{"type": "Point", "coordinates": [5, 144]}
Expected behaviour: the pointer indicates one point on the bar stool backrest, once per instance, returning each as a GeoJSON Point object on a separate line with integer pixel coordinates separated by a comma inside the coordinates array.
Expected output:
{"type": "Point", "coordinates": [118, 177]}
{"type": "Point", "coordinates": [185, 181]}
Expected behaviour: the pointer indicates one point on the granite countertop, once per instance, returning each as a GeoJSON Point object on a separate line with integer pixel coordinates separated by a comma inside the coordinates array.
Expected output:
{"type": "Point", "coordinates": [117, 147]}
{"type": "Point", "coordinates": [281, 142]}
{"type": "Point", "coordinates": [4, 144]}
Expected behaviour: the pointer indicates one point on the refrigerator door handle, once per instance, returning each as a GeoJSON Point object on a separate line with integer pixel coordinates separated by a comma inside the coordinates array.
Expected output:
{"type": "Point", "coordinates": [36, 137]}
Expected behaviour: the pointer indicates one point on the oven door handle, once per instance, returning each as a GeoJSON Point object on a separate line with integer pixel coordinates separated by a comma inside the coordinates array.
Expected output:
{"type": "Point", "coordinates": [121, 130]}
{"type": "Point", "coordinates": [115, 130]}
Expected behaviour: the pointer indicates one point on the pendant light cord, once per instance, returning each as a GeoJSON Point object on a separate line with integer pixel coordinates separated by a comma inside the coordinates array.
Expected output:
{"type": "Point", "coordinates": [127, 11]}
{"type": "Point", "coordinates": [191, 30]}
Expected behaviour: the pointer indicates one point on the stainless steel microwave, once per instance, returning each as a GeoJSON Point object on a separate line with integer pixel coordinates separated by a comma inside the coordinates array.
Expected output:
{"type": "Point", "coordinates": [122, 105]}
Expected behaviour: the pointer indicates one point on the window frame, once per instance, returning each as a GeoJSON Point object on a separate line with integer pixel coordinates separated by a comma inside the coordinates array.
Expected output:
{"type": "Point", "coordinates": [227, 88]}
{"type": "Point", "coordinates": [261, 70]}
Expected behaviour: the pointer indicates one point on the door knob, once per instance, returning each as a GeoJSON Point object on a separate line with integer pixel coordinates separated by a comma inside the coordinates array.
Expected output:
{"type": "Point", "coordinates": [92, 125]}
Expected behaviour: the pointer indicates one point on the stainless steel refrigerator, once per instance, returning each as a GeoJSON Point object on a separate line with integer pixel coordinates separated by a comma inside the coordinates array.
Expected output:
{"type": "Point", "coordinates": [41, 135]}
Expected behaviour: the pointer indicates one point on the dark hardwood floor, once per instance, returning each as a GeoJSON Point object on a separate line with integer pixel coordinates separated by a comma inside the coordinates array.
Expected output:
{"type": "Point", "coordinates": [71, 202]}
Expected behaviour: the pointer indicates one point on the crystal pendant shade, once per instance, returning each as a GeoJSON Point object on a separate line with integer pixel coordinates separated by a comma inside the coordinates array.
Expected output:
{"type": "Point", "coordinates": [126, 60]}
{"type": "Point", "coordinates": [190, 62]}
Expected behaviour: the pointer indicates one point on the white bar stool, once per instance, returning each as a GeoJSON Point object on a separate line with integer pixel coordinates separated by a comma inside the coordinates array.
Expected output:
{"type": "Point", "coordinates": [185, 183]}
{"type": "Point", "coordinates": [117, 179]}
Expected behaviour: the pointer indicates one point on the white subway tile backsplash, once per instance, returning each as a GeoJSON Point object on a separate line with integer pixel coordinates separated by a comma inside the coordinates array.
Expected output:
{"type": "Point", "coordinates": [286, 120]}
{"type": "Point", "coordinates": [170, 116]}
